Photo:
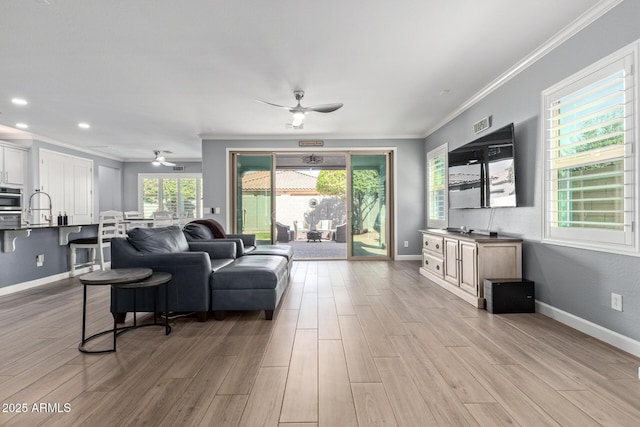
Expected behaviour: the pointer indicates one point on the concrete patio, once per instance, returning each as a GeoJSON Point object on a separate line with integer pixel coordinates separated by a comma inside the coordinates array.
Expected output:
{"type": "Point", "coordinates": [325, 249]}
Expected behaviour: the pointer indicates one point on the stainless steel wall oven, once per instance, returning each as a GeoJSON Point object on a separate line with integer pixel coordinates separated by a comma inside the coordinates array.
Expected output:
{"type": "Point", "coordinates": [10, 207]}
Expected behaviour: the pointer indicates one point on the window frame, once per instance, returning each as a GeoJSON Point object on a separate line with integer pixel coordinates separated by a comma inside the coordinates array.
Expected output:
{"type": "Point", "coordinates": [442, 150]}
{"type": "Point", "coordinates": [622, 242]}
{"type": "Point", "coordinates": [172, 176]}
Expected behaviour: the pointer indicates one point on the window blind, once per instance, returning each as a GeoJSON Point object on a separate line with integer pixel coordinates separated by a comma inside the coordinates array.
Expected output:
{"type": "Point", "coordinates": [588, 155]}
{"type": "Point", "coordinates": [437, 187]}
{"type": "Point", "coordinates": [590, 158]}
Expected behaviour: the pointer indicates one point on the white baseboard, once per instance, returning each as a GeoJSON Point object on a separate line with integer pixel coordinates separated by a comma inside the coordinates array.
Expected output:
{"type": "Point", "coordinates": [6, 290]}
{"type": "Point", "coordinates": [603, 334]}
{"type": "Point", "coordinates": [408, 257]}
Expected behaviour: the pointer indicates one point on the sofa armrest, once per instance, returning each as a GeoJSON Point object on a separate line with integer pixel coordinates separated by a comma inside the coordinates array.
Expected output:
{"type": "Point", "coordinates": [215, 248]}
{"type": "Point", "coordinates": [189, 284]}
{"type": "Point", "coordinates": [247, 239]}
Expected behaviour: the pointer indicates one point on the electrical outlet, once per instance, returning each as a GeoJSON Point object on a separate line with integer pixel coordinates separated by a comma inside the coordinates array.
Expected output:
{"type": "Point", "coordinates": [406, 243]}
{"type": "Point", "coordinates": [616, 301]}
{"type": "Point", "coordinates": [39, 260]}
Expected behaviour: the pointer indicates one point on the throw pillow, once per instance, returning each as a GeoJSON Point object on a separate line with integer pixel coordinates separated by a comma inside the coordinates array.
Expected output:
{"type": "Point", "coordinates": [214, 226]}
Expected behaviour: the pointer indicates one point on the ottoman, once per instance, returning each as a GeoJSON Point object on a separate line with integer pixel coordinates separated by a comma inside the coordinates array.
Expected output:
{"type": "Point", "coordinates": [254, 282]}
{"type": "Point", "coordinates": [285, 251]}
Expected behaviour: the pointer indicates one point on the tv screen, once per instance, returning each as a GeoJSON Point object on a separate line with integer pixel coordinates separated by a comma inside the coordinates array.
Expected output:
{"type": "Point", "coordinates": [482, 173]}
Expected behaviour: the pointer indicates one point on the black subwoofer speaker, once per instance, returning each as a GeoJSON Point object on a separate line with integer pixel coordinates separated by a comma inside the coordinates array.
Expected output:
{"type": "Point", "coordinates": [509, 296]}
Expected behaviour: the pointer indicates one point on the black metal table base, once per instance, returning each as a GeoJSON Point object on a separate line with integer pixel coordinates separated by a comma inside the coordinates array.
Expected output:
{"type": "Point", "coordinates": [119, 330]}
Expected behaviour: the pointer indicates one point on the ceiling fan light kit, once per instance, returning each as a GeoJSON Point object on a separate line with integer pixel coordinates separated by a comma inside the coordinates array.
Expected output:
{"type": "Point", "coordinates": [298, 117]}
{"type": "Point", "coordinates": [299, 112]}
{"type": "Point", "coordinates": [312, 160]}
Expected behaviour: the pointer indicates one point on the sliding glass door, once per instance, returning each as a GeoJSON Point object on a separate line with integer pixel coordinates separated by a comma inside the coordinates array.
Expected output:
{"type": "Point", "coordinates": [253, 201]}
{"type": "Point", "coordinates": [313, 204]}
{"type": "Point", "coordinates": [369, 206]}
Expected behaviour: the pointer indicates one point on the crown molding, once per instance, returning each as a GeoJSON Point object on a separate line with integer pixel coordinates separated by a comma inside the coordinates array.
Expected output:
{"type": "Point", "coordinates": [298, 136]}
{"type": "Point", "coordinates": [562, 36]}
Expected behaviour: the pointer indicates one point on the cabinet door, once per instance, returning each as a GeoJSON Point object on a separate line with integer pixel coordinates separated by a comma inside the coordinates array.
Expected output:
{"type": "Point", "coordinates": [51, 171]}
{"type": "Point", "coordinates": [69, 182]}
{"type": "Point", "coordinates": [13, 166]}
{"type": "Point", "coordinates": [81, 186]}
{"type": "Point", "coordinates": [451, 261]}
{"type": "Point", "coordinates": [469, 267]}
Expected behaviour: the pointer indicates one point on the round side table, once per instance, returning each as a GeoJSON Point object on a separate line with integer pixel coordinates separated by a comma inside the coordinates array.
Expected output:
{"type": "Point", "coordinates": [124, 278]}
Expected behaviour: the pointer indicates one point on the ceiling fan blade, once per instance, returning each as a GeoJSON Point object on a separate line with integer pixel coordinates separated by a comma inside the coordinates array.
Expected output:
{"type": "Point", "coordinates": [165, 163]}
{"type": "Point", "coordinates": [274, 105]}
{"type": "Point", "coordinates": [325, 108]}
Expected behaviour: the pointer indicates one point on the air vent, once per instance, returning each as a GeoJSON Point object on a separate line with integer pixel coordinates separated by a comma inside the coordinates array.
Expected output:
{"type": "Point", "coordinates": [178, 168]}
{"type": "Point", "coordinates": [481, 125]}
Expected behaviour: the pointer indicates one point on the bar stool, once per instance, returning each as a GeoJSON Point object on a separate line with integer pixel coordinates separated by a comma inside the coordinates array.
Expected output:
{"type": "Point", "coordinates": [110, 226]}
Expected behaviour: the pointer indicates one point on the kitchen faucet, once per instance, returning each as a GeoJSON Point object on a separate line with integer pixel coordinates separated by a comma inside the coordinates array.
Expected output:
{"type": "Point", "coordinates": [50, 209]}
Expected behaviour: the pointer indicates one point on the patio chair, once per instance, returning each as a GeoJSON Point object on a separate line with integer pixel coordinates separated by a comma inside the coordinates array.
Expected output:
{"type": "Point", "coordinates": [341, 233]}
{"type": "Point", "coordinates": [324, 226]}
{"type": "Point", "coordinates": [300, 227]}
{"type": "Point", "coordinates": [283, 233]}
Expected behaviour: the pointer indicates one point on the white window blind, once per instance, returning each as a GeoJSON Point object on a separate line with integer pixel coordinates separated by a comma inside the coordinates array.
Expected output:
{"type": "Point", "coordinates": [590, 161]}
{"type": "Point", "coordinates": [180, 194]}
{"type": "Point", "coordinates": [437, 187]}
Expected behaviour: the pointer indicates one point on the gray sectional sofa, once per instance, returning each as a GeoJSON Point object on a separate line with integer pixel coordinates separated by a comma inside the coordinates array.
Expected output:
{"type": "Point", "coordinates": [211, 230]}
{"type": "Point", "coordinates": [208, 275]}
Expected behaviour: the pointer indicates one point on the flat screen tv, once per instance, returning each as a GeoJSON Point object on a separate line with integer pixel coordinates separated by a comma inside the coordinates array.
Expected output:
{"type": "Point", "coordinates": [482, 172]}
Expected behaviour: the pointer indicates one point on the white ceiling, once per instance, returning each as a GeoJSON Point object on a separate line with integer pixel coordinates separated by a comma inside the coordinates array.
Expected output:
{"type": "Point", "coordinates": [159, 74]}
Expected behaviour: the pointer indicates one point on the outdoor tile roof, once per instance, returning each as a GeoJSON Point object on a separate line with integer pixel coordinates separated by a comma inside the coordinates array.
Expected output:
{"type": "Point", "coordinates": [286, 180]}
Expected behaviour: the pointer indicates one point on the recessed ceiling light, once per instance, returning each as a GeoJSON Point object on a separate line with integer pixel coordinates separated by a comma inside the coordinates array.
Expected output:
{"type": "Point", "coordinates": [22, 125]}
{"type": "Point", "coordinates": [19, 101]}
{"type": "Point", "coordinates": [84, 125]}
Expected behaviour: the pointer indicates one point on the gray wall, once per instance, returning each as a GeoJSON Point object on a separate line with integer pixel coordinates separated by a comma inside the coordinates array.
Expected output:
{"type": "Point", "coordinates": [577, 281]}
{"type": "Point", "coordinates": [409, 178]}
{"type": "Point", "coordinates": [130, 178]}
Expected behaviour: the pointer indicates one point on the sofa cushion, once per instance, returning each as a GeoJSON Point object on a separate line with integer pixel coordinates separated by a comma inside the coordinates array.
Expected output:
{"type": "Point", "coordinates": [280, 250]}
{"type": "Point", "coordinates": [158, 240]}
{"type": "Point", "coordinates": [213, 225]}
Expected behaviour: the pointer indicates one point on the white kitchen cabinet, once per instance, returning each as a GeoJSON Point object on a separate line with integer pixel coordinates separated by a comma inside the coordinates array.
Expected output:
{"type": "Point", "coordinates": [68, 180]}
{"type": "Point", "coordinates": [461, 262]}
{"type": "Point", "coordinates": [12, 165]}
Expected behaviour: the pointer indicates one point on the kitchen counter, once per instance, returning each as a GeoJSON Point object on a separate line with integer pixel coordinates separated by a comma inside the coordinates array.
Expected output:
{"type": "Point", "coordinates": [10, 234]}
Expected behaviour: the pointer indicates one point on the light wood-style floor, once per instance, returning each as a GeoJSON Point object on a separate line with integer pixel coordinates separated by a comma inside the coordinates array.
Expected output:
{"type": "Point", "coordinates": [354, 343]}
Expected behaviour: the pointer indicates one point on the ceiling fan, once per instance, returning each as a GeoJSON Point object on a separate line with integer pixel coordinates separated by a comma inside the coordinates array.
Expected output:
{"type": "Point", "coordinates": [160, 160]}
{"type": "Point", "coordinates": [299, 112]}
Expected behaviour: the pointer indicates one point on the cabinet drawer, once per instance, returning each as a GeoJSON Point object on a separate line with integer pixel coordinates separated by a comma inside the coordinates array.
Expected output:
{"type": "Point", "coordinates": [433, 243]}
{"type": "Point", "coordinates": [433, 264]}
